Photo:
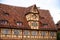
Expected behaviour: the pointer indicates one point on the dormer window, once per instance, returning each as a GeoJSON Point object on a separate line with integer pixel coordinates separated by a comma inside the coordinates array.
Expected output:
{"type": "Point", "coordinates": [45, 24]}
{"type": "Point", "coordinates": [6, 14]}
{"type": "Point", "coordinates": [19, 23]}
{"type": "Point", "coordinates": [3, 22]}
{"type": "Point", "coordinates": [42, 17]}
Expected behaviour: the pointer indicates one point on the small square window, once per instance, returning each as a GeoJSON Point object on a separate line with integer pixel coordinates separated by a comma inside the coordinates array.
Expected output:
{"type": "Point", "coordinates": [16, 32]}
{"type": "Point", "coordinates": [42, 17]}
{"type": "Point", "coordinates": [43, 33]}
{"type": "Point", "coordinates": [26, 33]}
{"type": "Point", "coordinates": [44, 24]}
{"type": "Point", "coordinates": [34, 24]}
{"type": "Point", "coordinates": [19, 23]}
{"type": "Point", "coordinates": [34, 33]}
{"type": "Point", "coordinates": [52, 34]}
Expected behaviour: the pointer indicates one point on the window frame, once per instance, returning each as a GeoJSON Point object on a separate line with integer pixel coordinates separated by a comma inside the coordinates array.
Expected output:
{"type": "Point", "coordinates": [43, 33]}
{"type": "Point", "coordinates": [28, 32]}
{"type": "Point", "coordinates": [34, 24]}
{"type": "Point", "coordinates": [6, 14]}
{"type": "Point", "coordinates": [45, 24]}
{"type": "Point", "coordinates": [19, 23]}
{"type": "Point", "coordinates": [52, 34]}
{"type": "Point", "coordinates": [7, 31]}
{"type": "Point", "coordinates": [34, 33]}
{"type": "Point", "coordinates": [3, 21]}
{"type": "Point", "coordinates": [15, 32]}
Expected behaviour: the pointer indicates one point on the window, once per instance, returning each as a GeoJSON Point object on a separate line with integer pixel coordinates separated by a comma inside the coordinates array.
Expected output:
{"type": "Point", "coordinates": [43, 33]}
{"type": "Point", "coordinates": [45, 24]}
{"type": "Point", "coordinates": [33, 16]}
{"type": "Point", "coordinates": [52, 34]}
{"type": "Point", "coordinates": [6, 14]}
{"type": "Point", "coordinates": [34, 24]}
{"type": "Point", "coordinates": [3, 21]}
{"type": "Point", "coordinates": [19, 23]}
{"type": "Point", "coordinates": [42, 17]}
{"type": "Point", "coordinates": [34, 33]}
{"type": "Point", "coordinates": [16, 32]}
{"type": "Point", "coordinates": [26, 33]}
{"type": "Point", "coordinates": [5, 31]}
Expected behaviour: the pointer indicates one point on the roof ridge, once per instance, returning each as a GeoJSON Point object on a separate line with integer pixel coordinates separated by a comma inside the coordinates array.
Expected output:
{"type": "Point", "coordinates": [12, 5]}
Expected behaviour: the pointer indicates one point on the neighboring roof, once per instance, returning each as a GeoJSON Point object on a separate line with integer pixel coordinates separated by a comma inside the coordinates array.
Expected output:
{"type": "Point", "coordinates": [18, 14]}
{"type": "Point", "coordinates": [58, 25]}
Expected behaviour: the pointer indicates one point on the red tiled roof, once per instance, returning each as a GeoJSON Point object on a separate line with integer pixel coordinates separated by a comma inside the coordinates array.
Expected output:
{"type": "Point", "coordinates": [18, 14]}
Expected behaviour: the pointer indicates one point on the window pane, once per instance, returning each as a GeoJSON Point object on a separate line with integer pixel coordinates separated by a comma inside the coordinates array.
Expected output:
{"type": "Point", "coordinates": [5, 31]}
{"type": "Point", "coordinates": [16, 32]}
{"type": "Point", "coordinates": [3, 21]}
{"type": "Point", "coordinates": [34, 33]}
{"type": "Point", "coordinates": [43, 33]}
{"type": "Point", "coordinates": [34, 24]}
{"type": "Point", "coordinates": [6, 14]}
{"type": "Point", "coordinates": [51, 33]}
{"type": "Point", "coordinates": [26, 33]}
{"type": "Point", "coordinates": [19, 23]}
{"type": "Point", "coordinates": [45, 24]}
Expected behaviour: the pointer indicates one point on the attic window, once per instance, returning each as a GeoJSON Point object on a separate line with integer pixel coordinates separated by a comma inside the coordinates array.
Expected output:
{"type": "Point", "coordinates": [45, 24]}
{"type": "Point", "coordinates": [42, 17]}
{"type": "Point", "coordinates": [6, 14]}
{"type": "Point", "coordinates": [3, 21]}
{"type": "Point", "coordinates": [19, 23]}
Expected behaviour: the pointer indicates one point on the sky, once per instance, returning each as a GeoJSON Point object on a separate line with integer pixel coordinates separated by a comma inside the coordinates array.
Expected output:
{"type": "Point", "coordinates": [51, 5]}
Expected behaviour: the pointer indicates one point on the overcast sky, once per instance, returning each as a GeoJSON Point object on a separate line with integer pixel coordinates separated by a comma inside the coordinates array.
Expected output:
{"type": "Point", "coordinates": [51, 5]}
